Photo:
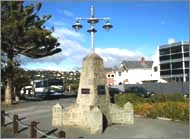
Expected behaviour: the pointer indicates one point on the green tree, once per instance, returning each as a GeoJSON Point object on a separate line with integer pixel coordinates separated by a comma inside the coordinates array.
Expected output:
{"type": "Point", "coordinates": [23, 33]}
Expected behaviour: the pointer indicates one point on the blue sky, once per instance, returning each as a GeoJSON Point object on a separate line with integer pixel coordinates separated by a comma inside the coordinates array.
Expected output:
{"type": "Point", "coordinates": [138, 29]}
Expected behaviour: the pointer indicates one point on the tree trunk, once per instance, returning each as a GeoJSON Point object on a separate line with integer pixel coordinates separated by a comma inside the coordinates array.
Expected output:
{"type": "Point", "coordinates": [9, 83]}
{"type": "Point", "coordinates": [8, 92]}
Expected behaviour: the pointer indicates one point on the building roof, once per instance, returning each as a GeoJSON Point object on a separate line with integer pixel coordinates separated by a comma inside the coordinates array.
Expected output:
{"type": "Point", "coordinates": [174, 44]}
{"type": "Point", "coordinates": [108, 69]}
{"type": "Point", "coordinates": [137, 64]}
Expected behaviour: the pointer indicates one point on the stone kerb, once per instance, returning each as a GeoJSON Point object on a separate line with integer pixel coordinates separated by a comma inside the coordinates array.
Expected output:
{"type": "Point", "coordinates": [57, 115]}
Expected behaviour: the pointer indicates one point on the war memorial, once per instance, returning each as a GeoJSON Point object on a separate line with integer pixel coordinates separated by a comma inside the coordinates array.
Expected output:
{"type": "Point", "coordinates": [93, 110]}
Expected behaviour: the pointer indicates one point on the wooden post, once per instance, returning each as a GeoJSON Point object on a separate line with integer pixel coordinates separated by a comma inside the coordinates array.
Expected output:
{"type": "Point", "coordinates": [2, 118]}
{"type": "Point", "coordinates": [33, 132]}
{"type": "Point", "coordinates": [61, 134]}
{"type": "Point", "coordinates": [15, 124]}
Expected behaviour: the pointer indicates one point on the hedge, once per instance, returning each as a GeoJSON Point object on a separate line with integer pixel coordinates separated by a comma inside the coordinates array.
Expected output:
{"type": "Point", "coordinates": [169, 106]}
{"type": "Point", "coordinates": [173, 110]}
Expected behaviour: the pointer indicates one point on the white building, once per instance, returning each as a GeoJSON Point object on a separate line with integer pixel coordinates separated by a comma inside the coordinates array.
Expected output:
{"type": "Point", "coordinates": [138, 72]}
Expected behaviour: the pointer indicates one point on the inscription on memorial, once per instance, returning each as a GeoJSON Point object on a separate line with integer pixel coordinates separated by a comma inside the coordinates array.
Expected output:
{"type": "Point", "coordinates": [101, 90]}
{"type": "Point", "coordinates": [85, 91]}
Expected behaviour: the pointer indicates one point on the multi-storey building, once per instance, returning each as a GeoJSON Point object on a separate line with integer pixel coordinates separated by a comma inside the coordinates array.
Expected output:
{"type": "Point", "coordinates": [174, 61]}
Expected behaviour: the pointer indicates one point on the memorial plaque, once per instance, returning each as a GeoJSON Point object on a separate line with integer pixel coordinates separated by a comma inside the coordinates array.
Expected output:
{"type": "Point", "coordinates": [85, 91]}
{"type": "Point", "coordinates": [101, 90]}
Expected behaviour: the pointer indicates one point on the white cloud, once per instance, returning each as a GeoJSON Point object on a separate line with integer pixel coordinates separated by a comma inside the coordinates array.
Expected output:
{"type": "Point", "coordinates": [59, 23]}
{"type": "Point", "coordinates": [68, 13]}
{"type": "Point", "coordinates": [62, 32]}
{"type": "Point", "coordinates": [114, 56]}
{"type": "Point", "coordinates": [73, 52]}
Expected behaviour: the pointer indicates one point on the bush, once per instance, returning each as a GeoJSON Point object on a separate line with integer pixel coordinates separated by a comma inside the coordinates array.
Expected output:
{"type": "Point", "coordinates": [121, 99]}
{"type": "Point", "coordinates": [172, 106]}
{"type": "Point", "coordinates": [165, 98]}
{"type": "Point", "coordinates": [173, 110]}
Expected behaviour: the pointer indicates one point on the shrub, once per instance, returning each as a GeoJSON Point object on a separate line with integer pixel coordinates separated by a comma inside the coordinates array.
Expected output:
{"type": "Point", "coordinates": [173, 110]}
{"type": "Point", "coordinates": [121, 99]}
{"type": "Point", "coordinates": [172, 106]}
{"type": "Point", "coordinates": [165, 98]}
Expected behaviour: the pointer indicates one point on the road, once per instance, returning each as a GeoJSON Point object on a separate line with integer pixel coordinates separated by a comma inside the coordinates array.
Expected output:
{"type": "Point", "coordinates": [41, 111]}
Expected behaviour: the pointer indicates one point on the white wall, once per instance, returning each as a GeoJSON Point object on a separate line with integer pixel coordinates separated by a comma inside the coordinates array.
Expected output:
{"type": "Point", "coordinates": [121, 78]}
{"type": "Point", "coordinates": [156, 63]}
{"type": "Point", "coordinates": [139, 75]}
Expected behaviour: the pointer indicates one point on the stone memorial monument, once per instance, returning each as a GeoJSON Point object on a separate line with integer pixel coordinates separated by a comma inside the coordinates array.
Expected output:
{"type": "Point", "coordinates": [93, 110]}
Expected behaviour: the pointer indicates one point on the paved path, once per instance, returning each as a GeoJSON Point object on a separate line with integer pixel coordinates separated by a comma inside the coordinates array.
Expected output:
{"type": "Point", "coordinates": [143, 127]}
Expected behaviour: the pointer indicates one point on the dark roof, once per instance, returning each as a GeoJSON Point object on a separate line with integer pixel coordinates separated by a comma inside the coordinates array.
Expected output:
{"type": "Point", "coordinates": [108, 69]}
{"type": "Point", "coordinates": [137, 64]}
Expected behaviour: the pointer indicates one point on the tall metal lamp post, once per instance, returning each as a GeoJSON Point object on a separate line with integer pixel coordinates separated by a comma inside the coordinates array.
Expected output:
{"type": "Point", "coordinates": [92, 21]}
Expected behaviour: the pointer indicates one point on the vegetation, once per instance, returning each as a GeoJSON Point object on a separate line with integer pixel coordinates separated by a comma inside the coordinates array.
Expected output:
{"type": "Point", "coordinates": [20, 79]}
{"type": "Point", "coordinates": [172, 106]}
{"type": "Point", "coordinates": [23, 32]}
{"type": "Point", "coordinates": [173, 110]}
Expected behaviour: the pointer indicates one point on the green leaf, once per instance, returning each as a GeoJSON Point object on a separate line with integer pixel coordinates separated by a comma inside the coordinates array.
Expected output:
{"type": "Point", "coordinates": [38, 6]}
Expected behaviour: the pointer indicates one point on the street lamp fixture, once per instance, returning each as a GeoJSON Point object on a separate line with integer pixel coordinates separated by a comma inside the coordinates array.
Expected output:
{"type": "Point", "coordinates": [77, 26]}
{"type": "Point", "coordinates": [92, 21]}
{"type": "Point", "coordinates": [107, 26]}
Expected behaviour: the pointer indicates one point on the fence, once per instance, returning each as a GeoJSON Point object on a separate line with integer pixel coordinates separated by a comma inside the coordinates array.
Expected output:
{"type": "Point", "coordinates": [161, 88]}
{"type": "Point", "coordinates": [33, 127]}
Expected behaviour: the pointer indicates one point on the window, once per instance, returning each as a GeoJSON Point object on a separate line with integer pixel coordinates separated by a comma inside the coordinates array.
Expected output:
{"type": "Point", "coordinates": [187, 71]}
{"type": "Point", "coordinates": [41, 84]}
{"type": "Point", "coordinates": [177, 71]}
{"type": "Point", "coordinates": [167, 72]}
{"type": "Point", "coordinates": [186, 54]}
{"type": "Point", "coordinates": [187, 64]}
{"type": "Point", "coordinates": [176, 56]}
{"type": "Point", "coordinates": [176, 49]}
{"type": "Point", "coordinates": [164, 66]}
{"type": "Point", "coordinates": [164, 58]}
{"type": "Point", "coordinates": [176, 65]}
{"type": "Point", "coordinates": [164, 51]}
{"type": "Point", "coordinates": [119, 73]}
{"type": "Point", "coordinates": [187, 79]}
{"type": "Point", "coordinates": [186, 48]}
{"type": "Point", "coordinates": [155, 69]}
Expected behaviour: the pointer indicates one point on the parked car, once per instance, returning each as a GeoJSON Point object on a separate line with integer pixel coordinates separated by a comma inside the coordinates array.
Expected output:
{"type": "Point", "coordinates": [140, 91]}
{"type": "Point", "coordinates": [113, 92]}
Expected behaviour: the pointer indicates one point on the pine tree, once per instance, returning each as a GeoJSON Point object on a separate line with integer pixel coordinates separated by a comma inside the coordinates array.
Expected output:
{"type": "Point", "coordinates": [23, 33]}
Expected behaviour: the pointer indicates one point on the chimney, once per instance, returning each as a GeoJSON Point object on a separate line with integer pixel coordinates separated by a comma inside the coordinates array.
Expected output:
{"type": "Point", "coordinates": [142, 60]}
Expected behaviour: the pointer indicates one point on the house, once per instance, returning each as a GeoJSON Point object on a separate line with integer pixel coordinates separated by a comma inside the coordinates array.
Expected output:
{"type": "Point", "coordinates": [110, 75]}
{"type": "Point", "coordinates": [134, 72]}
